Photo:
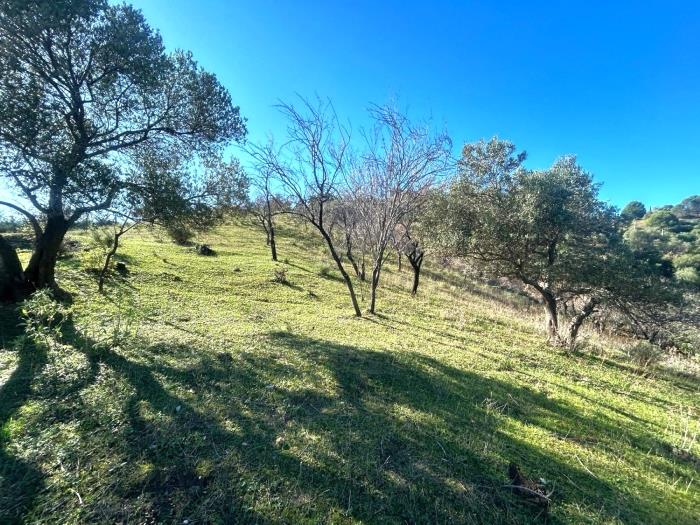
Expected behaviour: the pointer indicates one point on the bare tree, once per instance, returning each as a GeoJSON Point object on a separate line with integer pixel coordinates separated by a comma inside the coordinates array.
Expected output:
{"type": "Point", "coordinates": [310, 167]}
{"type": "Point", "coordinates": [391, 180]}
{"type": "Point", "coordinates": [350, 240]}
{"type": "Point", "coordinates": [265, 207]}
{"type": "Point", "coordinates": [407, 243]}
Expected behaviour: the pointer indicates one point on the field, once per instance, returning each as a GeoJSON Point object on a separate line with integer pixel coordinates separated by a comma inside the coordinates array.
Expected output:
{"type": "Point", "coordinates": [200, 390]}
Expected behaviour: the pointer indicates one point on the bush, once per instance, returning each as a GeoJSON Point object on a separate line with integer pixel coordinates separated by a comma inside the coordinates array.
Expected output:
{"type": "Point", "coordinates": [688, 275]}
{"type": "Point", "coordinates": [42, 315]}
{"type": "Point", "coordinates": [204, 249]}
{"type": "Point", "coordinates": [645, 354]}
{"type": "Point", "coordinates": [280, 276]}
{"type": "Point", "coordinates": [68, 248]}
{"type": "Point", "coordinates": [180, 234]}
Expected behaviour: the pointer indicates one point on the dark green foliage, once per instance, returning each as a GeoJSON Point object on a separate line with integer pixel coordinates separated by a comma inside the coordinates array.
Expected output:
{"type": "Point", "coordinates": [688, 208]}
{"type": "Point", "coordinates": [82, 84]}
{"type": "Point", "coordinates": [632, 211]}
{"type": "Point", "coordinates": [670, 240]}
{"type": "Point", "coordinates": [663, 219]}
{"type": "Point", "coordinates": [549, 231]}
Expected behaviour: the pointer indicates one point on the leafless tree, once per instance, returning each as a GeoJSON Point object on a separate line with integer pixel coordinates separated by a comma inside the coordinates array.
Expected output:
{"type": "Point", "coordinates": [407, 242]}
{"type": "Point", "coordinates": [391, 180]}
{"type": "Point", "coordinates": [310, 167]}
{"type": "Point", "coordinates": [265, 206]}
{"type": "Point", "coordinates": [345, 222]}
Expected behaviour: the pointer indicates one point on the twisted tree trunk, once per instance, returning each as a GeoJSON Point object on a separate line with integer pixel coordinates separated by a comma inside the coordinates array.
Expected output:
{"type": "Point", "coordinates": [578, 319]}
{"type": "Point", "coordinates": [416, 259]}
{"type": "Point", "coordinates": [40, 272]}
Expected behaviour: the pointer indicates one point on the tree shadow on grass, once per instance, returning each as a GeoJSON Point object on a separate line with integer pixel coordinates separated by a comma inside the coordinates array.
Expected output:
{"type": "Point", "coordinates": [304, 430]}
{"type": "Point", "coordinates": [20, 481]}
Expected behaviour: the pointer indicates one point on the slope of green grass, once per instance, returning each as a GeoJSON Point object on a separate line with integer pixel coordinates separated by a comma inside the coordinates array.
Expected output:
{"type": "Point", "coordinates": [197, 390]}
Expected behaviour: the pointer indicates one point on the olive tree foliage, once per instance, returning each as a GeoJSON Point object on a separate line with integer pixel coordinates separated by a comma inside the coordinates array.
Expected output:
{"type": "Point", "coordinates": [82, 84]}
{"type": "Point", "coordinates": [550, 231]}
{"type": "Point", "coordinates": [310, 167]}
{"type": "Point", "coordinates": [184, 195]}
{"type": "Point", "coordinates": [390, 181]}
{"type": "Point", "coordinates": [542, 228]}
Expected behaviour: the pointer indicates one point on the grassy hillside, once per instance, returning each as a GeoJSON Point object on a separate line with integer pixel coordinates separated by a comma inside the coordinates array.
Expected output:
{"type": "Point", "coordinates": [197, 390]}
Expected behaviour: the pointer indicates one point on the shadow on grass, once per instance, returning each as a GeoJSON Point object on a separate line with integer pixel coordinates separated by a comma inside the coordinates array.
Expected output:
{"type": "Point", "coordinates": [374, 437]}
{"type": "Point", "coordinates": [20, 480]}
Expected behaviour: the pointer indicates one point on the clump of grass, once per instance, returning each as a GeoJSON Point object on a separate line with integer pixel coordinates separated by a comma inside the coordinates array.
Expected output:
{"type": "Point", "coordinates": [280, 275]}
{"type": "Point", "coordinates": [645, 355]}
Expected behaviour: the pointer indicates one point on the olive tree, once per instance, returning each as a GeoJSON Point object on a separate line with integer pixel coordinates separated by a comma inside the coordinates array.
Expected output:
{"type": "Point", "coordinates": [82, 84]}
{"type": "Point", "coordinates": [539, 227]}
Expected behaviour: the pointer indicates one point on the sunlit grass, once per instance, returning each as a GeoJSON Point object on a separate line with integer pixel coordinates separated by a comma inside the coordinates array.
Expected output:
{"type": "Point", "coordinates": [199, 389]}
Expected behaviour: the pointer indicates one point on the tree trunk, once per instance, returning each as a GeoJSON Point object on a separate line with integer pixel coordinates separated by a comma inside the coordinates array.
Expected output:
{"type": "Point", "coordinates": [416, 264]}
{"type": "Point", "coordinates": [271, 239]}
{"type": "Point", "coordinates": [348, 254]}
{"type": "Point", "coordinates": [40, 272]}
{"type": "Point", "coordinates": [399, 257]}
{"type": "Point", "coordinates": [110, 254]}
{"type": "Point", "coordinates": [376, 271]}
{"type": "Point", "coordinates": [577, 320]}
{"type": "Point", "coordinates": [341, 269]}
{"type": "Point", "coordinates": [551, 322]}
{"type": "Point", "coordinates": [12, 284]}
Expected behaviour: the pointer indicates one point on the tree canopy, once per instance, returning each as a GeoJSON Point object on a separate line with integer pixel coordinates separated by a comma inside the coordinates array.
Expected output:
{"type": "Point", "coordinates": [83, 84]}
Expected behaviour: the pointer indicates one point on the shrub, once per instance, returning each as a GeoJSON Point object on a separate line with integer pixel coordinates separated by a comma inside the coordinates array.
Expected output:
{"type": "Point", "coordinates": [645, 354]}
{"type": "Point", "coordinates": [204, 249]}
{"type": "Point", "coordinates": [179, 233]}
{"type": "Point", "coordinates": [42, 315]}
{"type": "Point", "coordinates": [280, 276]}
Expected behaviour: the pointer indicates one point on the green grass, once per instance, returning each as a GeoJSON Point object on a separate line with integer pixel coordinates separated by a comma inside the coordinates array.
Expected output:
{"type": "Point", "coordinates": [198, 389]}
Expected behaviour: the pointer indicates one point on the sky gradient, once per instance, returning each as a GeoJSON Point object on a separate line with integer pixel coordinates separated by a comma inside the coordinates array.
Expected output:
{"type": "Point", "coordinates": [617, 85]}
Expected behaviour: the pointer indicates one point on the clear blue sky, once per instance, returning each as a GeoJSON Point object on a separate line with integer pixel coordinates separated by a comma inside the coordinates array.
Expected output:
{"type": "Point", "coordinates": [616, 83]}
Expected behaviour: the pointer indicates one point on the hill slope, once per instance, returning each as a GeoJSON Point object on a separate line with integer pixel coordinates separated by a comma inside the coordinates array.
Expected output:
{"type": "Point", "coordinates": [198, 389]}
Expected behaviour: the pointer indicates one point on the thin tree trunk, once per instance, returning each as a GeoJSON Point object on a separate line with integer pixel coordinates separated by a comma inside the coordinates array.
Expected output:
{"type": "Point", "coordinates": [376, 271]}
{"type": "Point", "coordinates": [271, 239]}
{"type": "Point", "coordinates": [105, 267]}
{"type": "Point", "coordinates": [40, 272]}
{"type": "Point", "coordinates": [351, 258]}
{"type": "Point", "coordinates": [341, 269]}
{"type": "Point", "coordinates": [398, 253]}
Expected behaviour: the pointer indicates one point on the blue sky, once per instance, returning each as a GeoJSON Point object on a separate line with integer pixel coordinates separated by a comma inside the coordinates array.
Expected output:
{"type": "Point", "coordinates": [616, 83]}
